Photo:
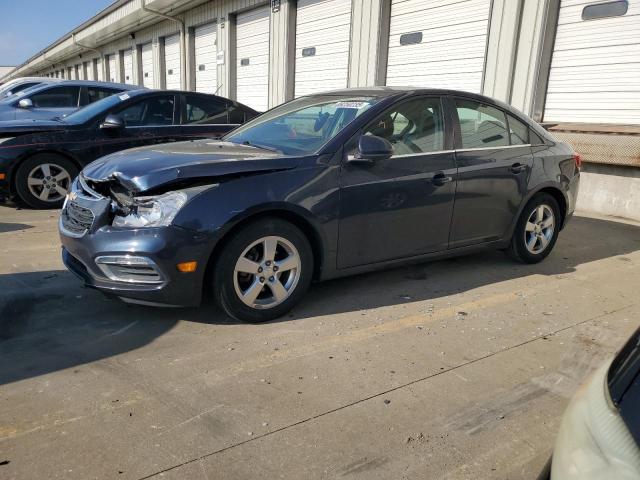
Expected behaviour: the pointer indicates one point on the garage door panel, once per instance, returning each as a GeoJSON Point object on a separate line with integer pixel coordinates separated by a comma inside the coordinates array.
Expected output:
{"type": "Point", "coordinates": [146, 54]}
{"type": "Point", "coordinates": [457, 14]}
{"type": "Point", "coordinates": [172, 72]}
{"type": "Point", "coordinates": [438, 68]}
{"type": "Point", "coordinates": [100, 76]}
{"type": "Point", "coordinates": [452, 49]}
{"type": "Point", "coordinates": [113, 74]}
{"type": "Point", "coordinates": [613, 31]}
{"type": "Point", "coordinates": [205, 58]}
{"type": "Point", "coordinates": [402, 7]}
{"type": "Point", "coordinates": [127, 64]}
{"type": "Point", "coordinates": [329, 36]}
{"type": "Point", "coordinates": [595, 67]}
{"type": "Point", "coordinates": [323, 35]}
{"type": "Point", "coordinates": [589, 115]}
{"type": "Point", "coordinates": [625, 55]}
{"type": "Point", "coordinates": [252, 64]}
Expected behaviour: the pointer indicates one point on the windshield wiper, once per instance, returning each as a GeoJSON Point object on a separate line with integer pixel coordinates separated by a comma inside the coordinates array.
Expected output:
{"type": "Point", "coordinates": [262, 147]}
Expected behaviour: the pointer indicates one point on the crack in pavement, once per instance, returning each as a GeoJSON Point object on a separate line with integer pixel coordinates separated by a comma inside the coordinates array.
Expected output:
{"type": "Point", "coordinates": [385, 392]}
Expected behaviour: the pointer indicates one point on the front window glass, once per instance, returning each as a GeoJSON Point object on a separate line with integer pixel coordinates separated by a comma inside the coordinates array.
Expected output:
{"type": "Point", "coordinates": [415, 126]}
{"type": "Point", "coordinates": [481, 126]}
{"type": "Point", "coordinates": [303, 126]}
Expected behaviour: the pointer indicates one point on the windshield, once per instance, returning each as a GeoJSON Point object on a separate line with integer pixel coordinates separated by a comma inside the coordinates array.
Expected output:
{"type": "Point", "coordinates": [96, 108]}
{"type": "Point", "coordinates": [302, 126]}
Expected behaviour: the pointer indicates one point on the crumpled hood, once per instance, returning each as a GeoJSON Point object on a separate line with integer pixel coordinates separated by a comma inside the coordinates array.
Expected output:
{"type": "Point", "coordinates": [145, 168]}
{"type": "Point", "coordinates": [30, 126]}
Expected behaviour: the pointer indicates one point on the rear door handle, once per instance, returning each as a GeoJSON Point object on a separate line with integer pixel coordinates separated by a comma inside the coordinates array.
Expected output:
{"type": "Point", "coordinates": [518, 168]}
{"type": "Point", "coordinates": [440, 179]}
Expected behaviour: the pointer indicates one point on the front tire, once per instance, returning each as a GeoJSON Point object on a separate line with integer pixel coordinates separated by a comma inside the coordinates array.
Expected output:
{"type": "Point", "coordinates": [537, 229]}
{"type": "Point", "coordinates": [43, 180]}
{"type": "Point", "coordinates": [263, 271]}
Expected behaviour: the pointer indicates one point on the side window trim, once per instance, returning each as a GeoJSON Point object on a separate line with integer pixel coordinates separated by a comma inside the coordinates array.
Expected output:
{"type": "Point", "coordinates": [457, 144]}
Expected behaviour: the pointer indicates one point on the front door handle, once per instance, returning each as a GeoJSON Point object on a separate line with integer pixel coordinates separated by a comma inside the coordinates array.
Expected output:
{"type": "Point", "coordinates": [518, 168]}
{"type": "Point", "coordinates": [440, 179]}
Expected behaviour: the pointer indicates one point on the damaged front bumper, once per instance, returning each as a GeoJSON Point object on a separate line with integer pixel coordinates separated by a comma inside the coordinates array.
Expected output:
{"type": "Point", "coordinates": [136, 264]}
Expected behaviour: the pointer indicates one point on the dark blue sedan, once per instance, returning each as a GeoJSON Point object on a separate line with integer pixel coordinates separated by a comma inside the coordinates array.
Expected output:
{"type": "Point", "coordinates": [324, 186]}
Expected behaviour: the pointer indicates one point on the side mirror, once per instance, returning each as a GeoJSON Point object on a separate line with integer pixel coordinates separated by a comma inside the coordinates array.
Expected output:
{"type": "Point", "coordinates": [371, 149]}
{"type": "Point", "coordinates": [25, 103]}
{"type": "Point", "coordinates": [112, 122]}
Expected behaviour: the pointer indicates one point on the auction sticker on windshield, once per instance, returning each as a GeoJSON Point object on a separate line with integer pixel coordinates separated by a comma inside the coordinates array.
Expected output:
{"type": "Point", "coordinates": [357, 105]}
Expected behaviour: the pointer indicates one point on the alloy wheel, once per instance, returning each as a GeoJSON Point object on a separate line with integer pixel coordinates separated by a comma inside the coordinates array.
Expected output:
{"type": "Point", "coordinates": [539, 229]}
{"type": "Point", "coordinates": [267, 272]}
{"type": "Point", "coordinates": [49, 182]}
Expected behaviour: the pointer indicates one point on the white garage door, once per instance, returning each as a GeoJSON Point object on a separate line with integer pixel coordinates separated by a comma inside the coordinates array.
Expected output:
{"type": "Point", "coordinates": [440, 43]}
{"type": "Point", "coordinates": [100, 75]}
{"type": "Point", "coordinates": [323, 29]}
{"type": "Point", "coordinates": [252, 73]}
{"type": "Point", "coordinates": [205, 51]}
{"type": "Point", "coordinates": [172, 62]}
{"type": "Point", "coordinates": [595, 67]}
{"type": "Point", "coordinates": [112, 74]}
{"type": "Point", "coordinates": [127, 66]}
{"type": "Point", "coordinates": [88, 70]}
{"type": "Point", "coordinates": [146, 54]}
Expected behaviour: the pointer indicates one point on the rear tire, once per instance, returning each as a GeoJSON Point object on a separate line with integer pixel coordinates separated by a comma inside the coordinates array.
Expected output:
{"type": "Point", "coordinates": [43, 180]}
{"type": "Point", "coordinates": [537, 229]}
{"type": "Point", "coordinates": [263, 271]}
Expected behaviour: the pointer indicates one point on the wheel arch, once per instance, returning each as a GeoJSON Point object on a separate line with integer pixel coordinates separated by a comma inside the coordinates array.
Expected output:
{"type": "Point", "coordinates": [559, 197]}
{"type": "Point", "coordinates": [299, 219]}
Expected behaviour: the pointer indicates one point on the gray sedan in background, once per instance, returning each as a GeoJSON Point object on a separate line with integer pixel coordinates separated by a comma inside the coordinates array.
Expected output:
{"type": "Point", "coordinates": [20, 84]}
{"type": "Point", "coordinates": [50, 100]}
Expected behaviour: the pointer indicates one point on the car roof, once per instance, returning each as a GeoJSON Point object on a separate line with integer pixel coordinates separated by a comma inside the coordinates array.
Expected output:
{"type": "Point", "coordinates": [15, 81]}
{"type": "Point", "coordinates": [382, 92]}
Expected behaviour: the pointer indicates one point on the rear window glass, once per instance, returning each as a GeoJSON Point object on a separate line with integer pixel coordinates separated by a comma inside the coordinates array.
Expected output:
{"type": "Point", "coordinates": [481, 126]}
{"type": "Point", "coordinates": [518, 131]}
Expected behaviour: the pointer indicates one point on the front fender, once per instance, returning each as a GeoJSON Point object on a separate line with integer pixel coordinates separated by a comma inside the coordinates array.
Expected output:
{"type": "Point", "coordinates": [308, 194]}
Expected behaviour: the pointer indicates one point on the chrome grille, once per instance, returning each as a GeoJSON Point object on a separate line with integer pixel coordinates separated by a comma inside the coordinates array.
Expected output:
{"type": "Point", "coordinates": [75, 219]}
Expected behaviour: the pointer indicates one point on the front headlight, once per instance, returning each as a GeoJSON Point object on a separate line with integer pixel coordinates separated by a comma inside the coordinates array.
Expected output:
{"type": "Point", "coordinates": [157, 211]}
{"type": "Point", "coordinates": [6, 139]}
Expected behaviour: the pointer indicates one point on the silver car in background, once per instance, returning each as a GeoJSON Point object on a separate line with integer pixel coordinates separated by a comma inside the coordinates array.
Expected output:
{"type": "Point", "coordinates": [50, 100]}
{"type": "Point", "coordinates": [17, 85]}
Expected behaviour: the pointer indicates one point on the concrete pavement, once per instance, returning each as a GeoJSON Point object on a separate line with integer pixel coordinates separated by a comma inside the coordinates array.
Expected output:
{"type": "Point", "coordinates": [457, 369]}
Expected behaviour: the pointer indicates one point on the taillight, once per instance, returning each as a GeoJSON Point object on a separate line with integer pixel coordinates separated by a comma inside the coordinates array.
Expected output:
{"type": "Point", "coordinates": [578, 159]}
